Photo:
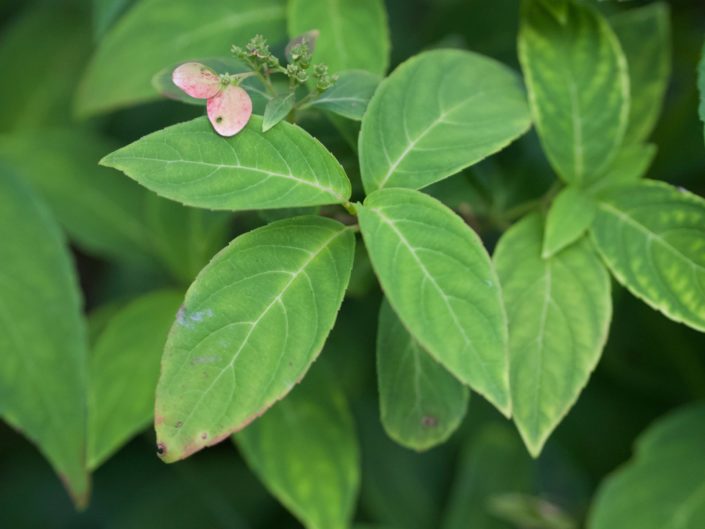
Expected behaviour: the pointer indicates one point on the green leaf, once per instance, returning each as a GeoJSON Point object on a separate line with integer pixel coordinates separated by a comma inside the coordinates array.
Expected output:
{"type": "Point", "coordinates": [630, 164]}
{"type": "Point", "coordinates": [440, 281]}
{"type": "Point", "coordinates": [43, 340]}
{"type": "Point", "coordinates": [421, 404]}
{"type": "Point", "coordinates": [155, 34]}
{"type": "Point", "coordinates": [277, 109]}
{"type": "Point", "coordinates": [184, 239]}
{"type": "Point", "coordinates": [101, 210]}
{"type": "Point", "coordinates": [190, 163]}
{"type": "Point", "coordinates": [568, 219]}
{"type": "Point", "coordinates": [352, 35]}
{"type": "Point", "coordinates": [652, 236]}
{"type": "Point", "coordinates": [436, 114]}
{"type": "Point", "coordinates": [350, 94]}
{"type": "Point", "coordinates": [497, 457]}
{"type": "Point", "coordinates": [649, 62]}
{"type": "Point", "coordinates": [559, 312]}
{"type": "Point", "coordinates": [305, 452]}
{"type": "Point", "coordinates": [41, 54]}
{"type": "Point", "coordinates": [123, 372]}
{"type": "Point", "coordinates": [662, 487]}
{"type": "Point", "coordinates": [578, 83]}
{"type": "Point", "coordinates": [252, 323]}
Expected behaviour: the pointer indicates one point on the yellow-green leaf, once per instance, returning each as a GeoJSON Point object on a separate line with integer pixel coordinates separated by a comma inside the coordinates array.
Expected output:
{"type": "Point", "coordinates": [439, 279]}
{"type": "Point", "coordinates": [252, 323]}
{"type": "Point", "coordinates": [578, 83]}
{"type": "Point", "coordinates": [559, 311]}
{"type": "Point", "coordinates": [652, 237]}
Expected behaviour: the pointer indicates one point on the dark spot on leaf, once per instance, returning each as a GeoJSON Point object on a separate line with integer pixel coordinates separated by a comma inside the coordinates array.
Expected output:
{"type": "Point", "coordinates": [219, 119]}
{"type": "Point", "coordinates": [429, 421]}
{"type": "Point", "coordinates": [179, 424]}
{"type": "Point", "coordinates": [161, 449]}
{"type": "Point", "coordinates": [204, 436]}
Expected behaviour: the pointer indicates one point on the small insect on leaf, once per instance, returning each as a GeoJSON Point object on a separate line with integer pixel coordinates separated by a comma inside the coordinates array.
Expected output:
{"type": "Point", "coordinates": [197, 80]}
{"type": "Point", "coordinates": [230, 110]}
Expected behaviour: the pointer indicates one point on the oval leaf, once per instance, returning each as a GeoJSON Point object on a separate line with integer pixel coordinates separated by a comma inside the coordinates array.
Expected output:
{"type": "Point", "coordinates": [438, 113]}
{"type": "Point", "coordinates": [124, 369]}
{"type": "Point", "coordinates": [251, 324]}
{"type": "Point", "coordinates": [145, 40]}
{"type": "Point", "coordinates": [189, 163]}
{"type": "Point", "coordinates": [421, 404]}
{"type": "Point", "coordinates": [649, 63]}
{"type": "Point", "coordinates": [568, 219]}
{"type": "Point", "coordinates": [352, 34]}
{"type": "Point", "coordinates": [350, 94]}
{"type": "Point", "coordinates": [559, 311]}
{"type": "Point", "coordinates": [277, 109]}
{"type": "Point", "coordinates": [652, 236]}
{"type": "Point", "coordinates": [43, 340]}
{"type": "Point", "coordinates": [578, 83]}
{"type": "Point", "coordinates": [662, 486]}
{"type": "Point", "coordinates": [440, 281]}
{"type": "Point", "coordinates": [305, 451]}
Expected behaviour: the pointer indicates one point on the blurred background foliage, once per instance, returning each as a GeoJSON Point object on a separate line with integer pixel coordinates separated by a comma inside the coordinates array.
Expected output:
{"type": "Point", "coordinates": [483, 476]}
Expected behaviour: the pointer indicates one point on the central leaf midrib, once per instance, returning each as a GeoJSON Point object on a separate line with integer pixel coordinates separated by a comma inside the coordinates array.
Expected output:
{"type": "Point", "coordinates": [286, 176]}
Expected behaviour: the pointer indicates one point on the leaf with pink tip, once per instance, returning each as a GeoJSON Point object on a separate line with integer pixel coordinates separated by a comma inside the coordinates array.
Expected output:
{"type": "Point", "coordinates": [230, 110]}
{"type": "Point", "coordinates": [197, 80]}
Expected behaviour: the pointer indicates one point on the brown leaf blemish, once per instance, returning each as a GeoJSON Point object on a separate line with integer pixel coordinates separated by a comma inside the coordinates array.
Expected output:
{"type": "Point", "coordinates": [429, 421]}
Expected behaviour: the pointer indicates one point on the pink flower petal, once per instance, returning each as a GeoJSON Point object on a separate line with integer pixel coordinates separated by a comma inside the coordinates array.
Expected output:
{"type": "Point", "coordinates": [230, 110]}
{"type": "Point", "coordinates": [197, 80]}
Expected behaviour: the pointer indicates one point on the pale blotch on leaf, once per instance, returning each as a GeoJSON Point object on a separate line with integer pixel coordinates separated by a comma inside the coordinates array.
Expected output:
{"type": "Point", "coordinates": [228, 105]}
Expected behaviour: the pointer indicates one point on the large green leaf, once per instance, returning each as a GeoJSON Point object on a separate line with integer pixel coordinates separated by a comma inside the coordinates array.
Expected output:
{"type": "Point", "coordinates": [43, 340]}
{"type": "Point", "coordinates": [305, 451]}
{"type": "Point", "coordinates": [124, 369]}
{"type": "Point", "coordinates": [190, 163]}
{"type": "Point", "coordinates": [421, 404]}
{"type": "Point", "coordinates": [559, 311]}
{"type": "Point", "coordinates": [105, 13]}
{"type": "Point", "coordinates": [578, 83]}
{"type": "Point", "coordinates": [251, 324]}
{"type": "Point", "coordinates": [663, 486]}
{"type": "Point", "coordinates": [440, 281]}
{"type": "Point", "coordinates": [156, 34]}
{"type": "Point", "coordinates": [101, 210]}
{"type": "Point", "coordinates": [353, 34]}
{"type": "Point", "coordinates": [41, 54]}
{"type": "Point", "coordinates": [652, 236]}
{"type": "Point", "coordinates": [568, 219]}
{"type": "Point", "coordinates": [350, 94]}
{"type": "Point", "coordinates": [649, 62]}
{"type": "Point", "coordinates": [436, 114]}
